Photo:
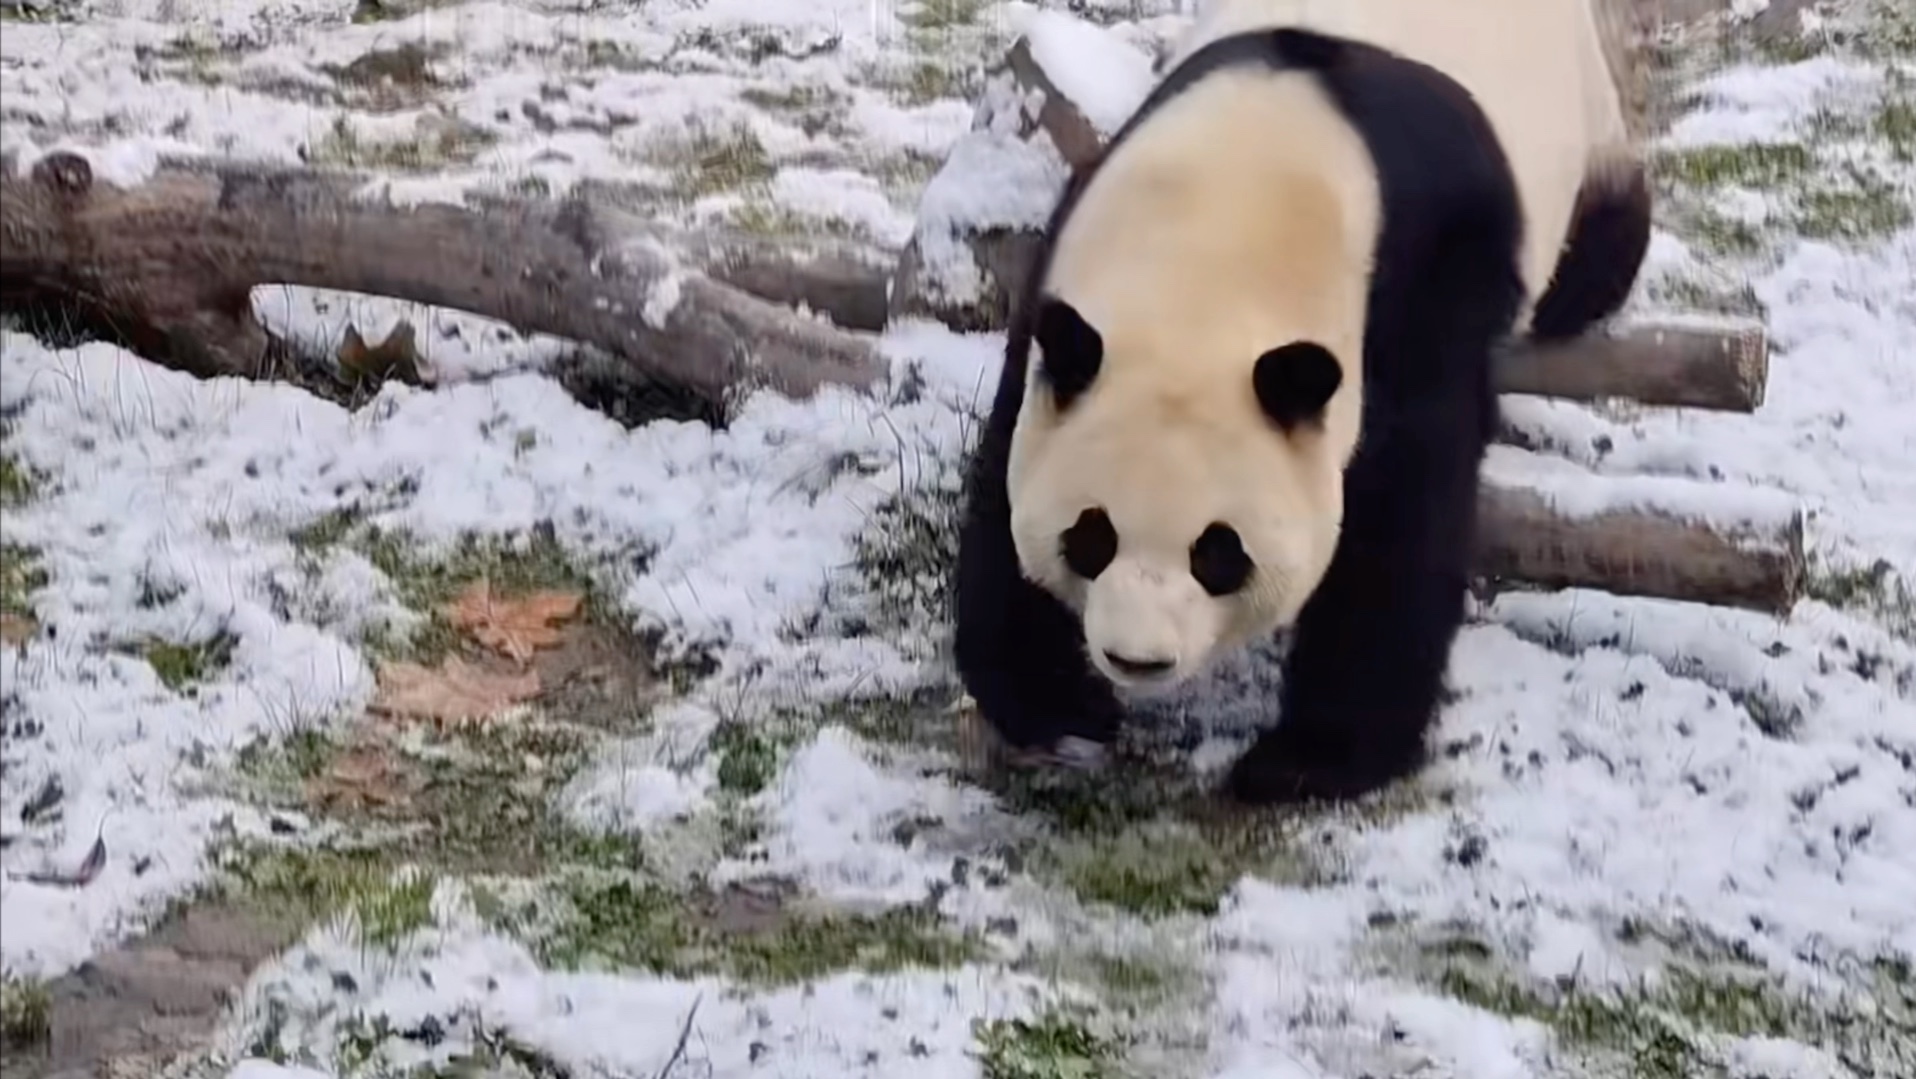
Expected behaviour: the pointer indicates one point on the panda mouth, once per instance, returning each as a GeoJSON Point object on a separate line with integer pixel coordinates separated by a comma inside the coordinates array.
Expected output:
{"type": "Point", "coordinates": [1140, 670]}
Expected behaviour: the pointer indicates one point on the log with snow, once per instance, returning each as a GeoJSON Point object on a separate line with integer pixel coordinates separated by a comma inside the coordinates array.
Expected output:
{"type": "Point", "coordinates": [1551, 524]}
{"type": "Point", "coordinates": [1066, 86]}
{"type": "Point", "coordinates": [170, 263]}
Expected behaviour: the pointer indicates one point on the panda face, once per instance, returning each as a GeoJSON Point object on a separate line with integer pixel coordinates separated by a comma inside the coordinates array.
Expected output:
{"type": "Point", "coordinates": [1178, 517]}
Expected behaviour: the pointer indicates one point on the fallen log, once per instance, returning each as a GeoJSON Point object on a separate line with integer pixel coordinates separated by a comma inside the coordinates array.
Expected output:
{"type": "Point", "coordinates": [1654, 536]}
{"type": "Point", "coordinates": [171, 263]}
{"type": "Point", "coordinates": [1720, 364]}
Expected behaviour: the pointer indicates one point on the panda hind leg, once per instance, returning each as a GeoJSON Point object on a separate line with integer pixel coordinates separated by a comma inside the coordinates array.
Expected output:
{"type": "Point", "coordinates": [1609, 236]}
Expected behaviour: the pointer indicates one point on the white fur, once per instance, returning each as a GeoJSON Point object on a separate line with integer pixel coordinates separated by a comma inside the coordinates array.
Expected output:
{"type": "Point", "coordinates": [1189, 274]}
{"type": "Point", "coordinates": [1165, 450]}
{"type": "Point", "coordinates": [1536, 67]}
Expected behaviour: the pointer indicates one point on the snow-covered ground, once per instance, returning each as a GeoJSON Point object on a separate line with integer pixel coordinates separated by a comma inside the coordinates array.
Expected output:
{"type": "Point", "coordinates": [1661, 840]}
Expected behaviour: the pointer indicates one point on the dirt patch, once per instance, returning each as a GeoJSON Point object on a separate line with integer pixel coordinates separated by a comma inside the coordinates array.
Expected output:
{"type": "Point", "coordinates": [136, 1009]}
{"type": "Point", "coordinates": [598, 675]}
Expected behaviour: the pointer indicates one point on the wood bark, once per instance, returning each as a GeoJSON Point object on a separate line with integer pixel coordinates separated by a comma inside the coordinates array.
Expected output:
{"type": "Point", "coordinates": [1754, 565]}
{"type": "Point", "coordinates": [1677, 364]}
{"type": "Point", "coordinates": [172, 262]}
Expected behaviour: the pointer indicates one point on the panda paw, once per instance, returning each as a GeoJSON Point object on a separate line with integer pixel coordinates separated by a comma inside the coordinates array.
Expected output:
{"type": "Point", "coordinates": [1271, 774]}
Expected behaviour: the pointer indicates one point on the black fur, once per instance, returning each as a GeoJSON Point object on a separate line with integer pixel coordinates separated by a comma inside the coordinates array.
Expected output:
{"type": "Point", "coordinates": [1365, 673]}
{"type": "Point", "coordinates": [1219, 563]}
{"type": "Point", "coordinates": [1609, 236]}
{"type": "Point", "coordinates": [1073, 351]}
{"type": "Point", "coordinates": [1090, 544]}
{"type": "Point", "coordinates": [1294, 382]}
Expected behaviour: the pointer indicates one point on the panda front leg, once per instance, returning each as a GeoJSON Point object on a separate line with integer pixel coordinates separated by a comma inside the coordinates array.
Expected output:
{"type": "Point", "coordinates": [1364, 679]}
{"type": "Point", "coordinates": [1019, 650]}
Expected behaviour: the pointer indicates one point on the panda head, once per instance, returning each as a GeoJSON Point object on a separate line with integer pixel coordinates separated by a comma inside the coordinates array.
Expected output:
{"type": "Point", "coordinates": [1182, 492]}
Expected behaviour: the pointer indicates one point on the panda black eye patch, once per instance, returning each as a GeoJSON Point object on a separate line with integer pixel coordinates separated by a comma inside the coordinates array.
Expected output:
{"type": "Point", "coordinates": [1090, 544]}
{"type": "Point", "coordinates": [1218, 560]}
{"type": "Point", "coordinates": [1295, 382]}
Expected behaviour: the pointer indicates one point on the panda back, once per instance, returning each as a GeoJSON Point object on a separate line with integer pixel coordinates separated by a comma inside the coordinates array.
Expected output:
{"type": "Point", "coordinates": [1550, 102]}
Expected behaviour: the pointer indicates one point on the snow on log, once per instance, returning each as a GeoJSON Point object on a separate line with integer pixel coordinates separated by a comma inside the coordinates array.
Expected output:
{"type": "Point", "coordinates": [1552, 524]}
{"type": "Point", "coordinates": [171, 262]}
{"type": "Point", "coordinates": [980, 217]}
{"type": "Point", "coordinates": [1067, 85]}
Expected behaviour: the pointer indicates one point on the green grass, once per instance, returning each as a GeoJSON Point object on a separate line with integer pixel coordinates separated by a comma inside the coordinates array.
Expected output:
{"type": "Point", "coordinates": [342, 146]}
{"type": "Point", "coordinates": [933, 15]}
{"type": "Point", "coordinates": [1168, 867]}
{"type": "Point", "coordinates": [713, 162]}
{"type": "Point", "coordinates": [181, 666]}
{"type": "Point", "coordinates": [489, 1052]}
{"type": "Point", "coordinates": [1895, 125]}
{"type": "Point", "coordinates": [371, 11]}
{"type": "Point", "coordinates": [18, 483]}
{"type": "Point", "coordinates": [20, 577]}
{"type": "Point", "coordinates": [1723, 235]}
{"type": "Point", "coordinates": [792, 99]}
{"type": "Point", "coordinates": [905, 553]}
{"type": "Point", "coordinates": [749, 755]}
{"type": "Point", "coordinates": [628, 924]}
{"type": "Point", "coordinates": [1875, 589]}
{"type": "Point", "coordinates": [1054, 1045]}
{"type": "Point", "coordinates": [1857, 204]}
{"type": "Point", "coordinates": [24, 1013]}
{"type": "Point", "coordinates": [1665, 1029]}
{"type": "Point", "coordinates": [386, 900]}
{"type": "Point", "coordinates": [45, 12]}
{"type": "Point", "coordinates": [482, 798]}
{"type": "Point", "coordinates": [1762, 165]}
{"type": "Point", "coordinates": [1822, 189]}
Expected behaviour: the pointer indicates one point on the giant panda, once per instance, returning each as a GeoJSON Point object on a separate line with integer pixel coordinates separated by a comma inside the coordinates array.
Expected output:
{"type": "Point", "coordinates": [1247, 388]}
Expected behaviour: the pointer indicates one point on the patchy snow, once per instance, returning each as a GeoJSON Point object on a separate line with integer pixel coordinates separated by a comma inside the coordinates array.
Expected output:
{"type": "Point", "coordinates": [263, 1069]}
{"type": "Point", "coordinates": [664, 775]}
{"type": "Point", "coordinates": [831, 815]}
{"type": "Point", "coordinates": [1775, 1058]}
{"type": "Point", "coordinates": [1742, 779]}
{"type": "Point", "coordinates": [465, 980]}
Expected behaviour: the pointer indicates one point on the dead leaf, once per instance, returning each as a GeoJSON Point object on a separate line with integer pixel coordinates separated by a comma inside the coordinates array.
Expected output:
{"type": "Point", "coordinates": [514, 627]}
{"type": "Point", "coordinates": [15, 629]}
{"type": "Point", "coordinates": [454, 693]}
{"type": "Point", "coordinates": [360, 779]}
{"type": "Point", "coordinates": [394, 359]}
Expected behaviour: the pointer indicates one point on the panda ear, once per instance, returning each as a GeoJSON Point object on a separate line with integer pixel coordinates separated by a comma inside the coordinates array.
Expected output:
{"type": "Point", "coordinates": [1073, 351]}
{"type": "Point", "coordinates": [1295, 382]}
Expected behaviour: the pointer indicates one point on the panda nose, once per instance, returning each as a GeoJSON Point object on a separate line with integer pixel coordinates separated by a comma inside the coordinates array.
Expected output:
{"type": "Point", "coordinates": [1139, 668]}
